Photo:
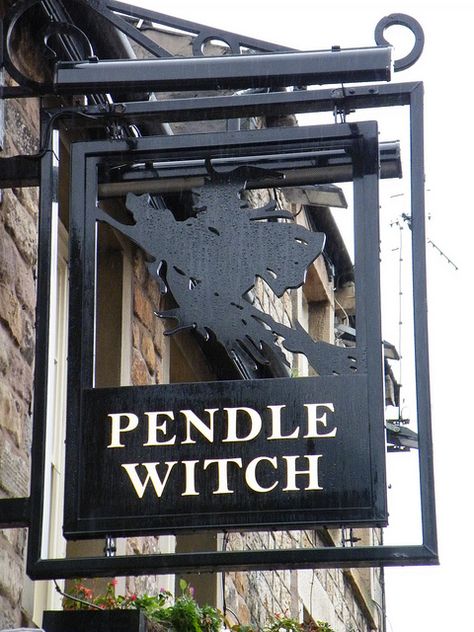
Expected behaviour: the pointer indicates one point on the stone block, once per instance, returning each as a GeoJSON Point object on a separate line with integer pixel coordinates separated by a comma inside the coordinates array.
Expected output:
{"type": "Point", "coordinates": [28, 198]}
{"type": "Point", "coordinates": [142, 308]}
{"type": "Point", "coordinates": [24, 122]}
{"type": "Point", "coordinates": [159, 371]}
{"type": "Point", "coordinates": [160, 325]}
{"type": "Point", "coordinates": [10, 418]}
{"type": "Point", "coordinates": [10, 614]}
{"type": "Point", "coordinates": [4, 350]}
{"type": "Point", "coordinates": [153, 292]}
{"type": "Point", "coordinates": [241, 583]}
{"type": "Point", "coordinates": [15, 539]}
{"type": "Point", "coordinates": [14, 469]}
{"type": "Point", "coordinates": [8, 258]}
{"type": "Point", "coordinates": [25, 286]}
{"type": "Point", "coordinates": [22, 228]}
{"type": "Point", "coordinates": [18, 370]}
{"type": "Point", "coordinates": [136, 334]}
{"type": "Point", "coordinates": [140, 374]}
{"type": "Point", "coordinates": [11, 575]}
{"type": "Point", "coordinates": [11, 312]}
{"type": "Point", "coordinates": [148, 351]}
{"type": "Point", "coordinates": [139, 267]}
{"type": "Point", "coordinates": [27, 345]}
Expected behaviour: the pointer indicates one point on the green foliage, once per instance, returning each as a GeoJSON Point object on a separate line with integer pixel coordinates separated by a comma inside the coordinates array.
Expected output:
{"type": "Point", "coordinates": [183, 614]}
{"type": "Point", "coordinates": [282, 623]}
{"type": "Point", "coordinates": [323, 627]}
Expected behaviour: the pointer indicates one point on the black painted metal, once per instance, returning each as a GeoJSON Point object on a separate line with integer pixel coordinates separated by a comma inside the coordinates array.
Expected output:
{"type": "Point", "coordinates": [332, 167]}
{"type": "Point", "coordinates": [116, 14]}
{"type": "Point", "coordinates": [268, 70]}
{"type": "Point", "coordinates": [210, 296]}
{"type": "Point", "coordinates": [201, 32]}
{"type": "Point", "coordinates": [350, 486]}
{"type": "Point", "coordinates": [420, 310]}
{"type": "Point", "coordinates": [401, 19]}
{"type": "Point", "coordinates": [95, 621]}
{"type": "Point", "coordinates": [197, 561]}
{"type": "Point", "coordinates": [89, 158]}
{"type": "Point", "coordinates": [119, 14]}
{"type": "Point", "coordinates": [58, 31]}
{"type": "Point", "coordinates": [426, 553]}
{"type": "Point", "coordinates": [40, 404]}
{"type": "Point", "coordinates": [19, 171]}
{"type": "Point", "coordinates": [246, 104]}
{"type": "Point", "coordinates": [380, 96]}
{"type": "Point", "coordinates": [15, 513]}
{"type": "Point", "coordinates": [352, 98]}
{"type": "Point", "coordinates": [24, 171]}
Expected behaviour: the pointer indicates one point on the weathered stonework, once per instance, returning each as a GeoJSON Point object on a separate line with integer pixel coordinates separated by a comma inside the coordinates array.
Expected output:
{"type": "Point", "coordinates": [147, 328]}
{"type": "Point", "coordinates": [18, 252]}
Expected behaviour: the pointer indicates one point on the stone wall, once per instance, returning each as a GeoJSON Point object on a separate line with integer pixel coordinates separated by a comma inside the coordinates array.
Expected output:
{"type": "Point", "coordinates": [146, 368]}
{"type": "Point", "coordinates": [342, 598]}
{"type": "Point", "coordinates": [147, 328]}
{"type": "Point", "coordinates": [18, 218]}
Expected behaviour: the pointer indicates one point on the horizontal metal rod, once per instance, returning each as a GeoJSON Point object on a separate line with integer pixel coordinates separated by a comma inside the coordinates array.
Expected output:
{"type": "Point", "coordinates": [156, 180]}
{"type": "Point", "coordinates": [245, 104]}
{"type": "Point", "coordinates": [331, 557]}
{"type": "Point", "coordinates": [19, 171]}
{"type": "Point", "coordinates": [295, 177]}
{"type": "Point", "coordinates": [25, 173]}
{"type": "Point", "coordinates": [14, 512]}
{"type": "Point", "coordinates": [264, 70]}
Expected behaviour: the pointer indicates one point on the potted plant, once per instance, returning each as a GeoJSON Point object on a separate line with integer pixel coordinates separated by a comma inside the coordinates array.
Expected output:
{"type": "Point", "coordinates": [106, 612]}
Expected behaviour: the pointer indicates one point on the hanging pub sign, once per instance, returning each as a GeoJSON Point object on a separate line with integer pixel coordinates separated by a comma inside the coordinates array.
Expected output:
{"type": "Point", "coordinates": [266, 451]}
{"type": "Point", "coordinates": [252, 453]}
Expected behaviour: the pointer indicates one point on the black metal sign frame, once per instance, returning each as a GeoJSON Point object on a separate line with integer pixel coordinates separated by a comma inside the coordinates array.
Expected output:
{"type": "Point", "coordinates": [24, 171]}
{"type": "Point", "coordinates": [357, 492]}
{"type": "Point", "coordinates": [21, 511]}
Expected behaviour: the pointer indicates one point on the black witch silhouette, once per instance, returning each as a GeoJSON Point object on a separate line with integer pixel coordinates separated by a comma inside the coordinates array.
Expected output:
{"type": "Point", "coordinates": [210, 261]}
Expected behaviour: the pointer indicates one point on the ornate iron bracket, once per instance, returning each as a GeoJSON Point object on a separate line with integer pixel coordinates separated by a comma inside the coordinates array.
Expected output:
{"type": "Point", "coordinates": [62, 28]}
{"type": "Point", "coordinates": [120, 16]}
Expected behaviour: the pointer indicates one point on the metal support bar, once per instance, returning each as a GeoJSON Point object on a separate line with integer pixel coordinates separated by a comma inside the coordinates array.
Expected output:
{"type": "Point", "coordinates": [24, 171]}
{"type": "Point", "coordinates": [15, 512]}
{"type": "Point", "coordinates": [348, 557]}
{"type": "Point", "coordinates": [335, 167]}
{"type": "Point", "coordinates": [267, 70]}
{"type": "Point", "coordinates": [253, 104]}
{"type": "Point", "coordinates": [420, 308]}
{"type": "Point", "coordinates": [202, 32]}
{"type": "Point", "coordinates": [19, 171]}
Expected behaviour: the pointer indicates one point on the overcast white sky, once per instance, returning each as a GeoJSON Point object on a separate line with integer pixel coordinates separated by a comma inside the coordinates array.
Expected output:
{"type": "Point", "coordinates": [434, 598]}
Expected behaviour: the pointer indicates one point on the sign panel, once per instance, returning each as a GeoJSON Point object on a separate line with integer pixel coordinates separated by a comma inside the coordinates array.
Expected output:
{"type": "Point", "coordinates": [256, 453]}
{"type": "Point", "coordinates": [268, 454]}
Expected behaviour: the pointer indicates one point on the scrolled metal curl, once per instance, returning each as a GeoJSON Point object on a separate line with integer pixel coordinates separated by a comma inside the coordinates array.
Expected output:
{"type": "Point", "coordinates": [401, 19]}
{"type": "Point", "coordinates": [54, 29]}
